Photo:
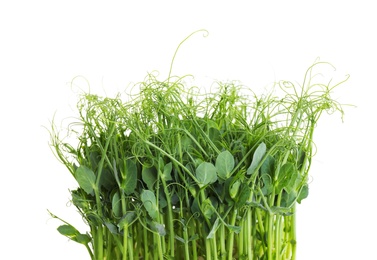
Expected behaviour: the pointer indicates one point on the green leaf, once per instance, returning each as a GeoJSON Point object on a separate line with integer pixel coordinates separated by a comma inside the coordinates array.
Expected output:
{"type": "Point", "coordinates": [195, 208]}
{"type": "Point", "coordinates": [79, 199]}
{"type": "Point", "coordinates": [94, 158]}
{"type": "Point", "coordinates": [206, 174]}
{"type": "Point", "coordinates": [149, 176]}
{"type": "Point", "coordinates": [83, 239]}
{"type": "Point", "coordinates": [234, 188]}
{"type": "Point", "coordinates": [193, 237]}
{"type": "Point", "coordinates": [213, 229]}
{"type": "Point", "coordinates": [150, 204]}
{"type": "Point", "coordinates": [127, 219]}
{"type": "Point", "coordinates": [281, 211]}
{"type": "Point", "coordinates": [235, 229]}
{"type": "Point", "coordinates": [180, 239]}
{"type": "Point", "coordinates": [111, 227]}
{"type": "Point", "coordinates": [286, 179]}
{"type": "Point", "coordinates": [215, 136]}
{"type": "Point", "coordinates": [167, 172]}
{"type": "Point", "coordinates": [116, 205]}
{"type": "Point", "coordinates": [288, 199]}
{"type": "Point", "coordinates": [207, 208]}
{"type": "Point", "coordinates": [268, 166]}
{"type": "Point", "coordinates": [68, 231]}
{"type": "Point", "coordinates": [162, 202]}
{"type": "Point", "coordinates": [157, 227]}
{"type": "Point", "coordinates": [129, 176]}
{"type": "Point", "coordinates": [107, 179]}
{"type": "Point", "coordinates": [73, 234]}
{"type": "Point", "coordinates": [224, 164]}
{"type": "Point", "coordinates": [301, 159]}
{"type": "Point", "coordinates": [304, 192]}
{"type": "Point", "coordinates": [243, 196]}
{"type": "Point", "coordinates": [267, 184]}
{"type": "Point", "coordinates": [257, 157]}
{"type": "Point", "coordinates": [86, 179]}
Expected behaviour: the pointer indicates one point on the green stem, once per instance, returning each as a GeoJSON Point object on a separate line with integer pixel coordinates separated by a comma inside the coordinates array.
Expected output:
{"type": "Point", "coordinates": [99, 237]}
{"type": "Point", "coordinates": [214, 247]}
{"type": "Point", "coordinates": [145, 243]}
{"type": "Point", "coordinates": [89, 251]}
{"type": "Point", "coordinates": [278, 237]}
{"type": "Point", "coordinates": [270, 236]}
{"type": "Point", "coordinates": [222, 242]}
{"type": "Point", "coordinates": [192, 233]}
{"type": "Point", "coordinates": [109, 245]}
{"type": "Point", "coordinates": [160, 244]}
{"type": "Point", "coordinates": [254, 227]}
{"type": "Point", "coordinates": [170, 219]}
{"type": "Point", "coordinates": [241, 237]}
{"type": "Point", "coordinates": [186, 238]}
{"type": "Point", "coordinates": [138, 237]}
{"type": "Point", "coordinates": [208, 249]}
{"type": "Point", "coordinates": [230, 240]}
{"type": "Point", "coordinates": [99, 243]}
{"type": "Point", "coordinates": [293, 240]}
{"type": "Point", "coordinates": [249, 237]}
{"type": "Point", "coordinates": [125, 242]}
{"type": "Point", "coordinates": [130, 246]}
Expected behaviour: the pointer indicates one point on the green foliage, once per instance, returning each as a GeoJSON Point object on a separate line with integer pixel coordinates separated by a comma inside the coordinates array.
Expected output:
{"type": "Point", "coordinates": [257, 158]}
{"type": "Point", "coordinates": [129, 176]}
{"type": "Point", "coordinates": [206, 174]}
{"type": "Point", "coordinates": [174, 173]}
{"type": "Point", "coordinates": [148, 199]}
{"type": "Point", "coordinates": [72, 233]}
{"type": "Point", "coordinates": [224, 164]}
{"type": "Point", "coordinates": [86, 179]}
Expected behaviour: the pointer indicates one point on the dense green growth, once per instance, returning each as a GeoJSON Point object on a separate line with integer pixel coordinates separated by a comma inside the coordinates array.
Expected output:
{"type": "Point", "coordinates": [173, 173]}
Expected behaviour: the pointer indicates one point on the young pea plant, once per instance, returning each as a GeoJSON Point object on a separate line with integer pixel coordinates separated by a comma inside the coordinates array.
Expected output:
{"type": "Point", "coordinates": [174, 174]}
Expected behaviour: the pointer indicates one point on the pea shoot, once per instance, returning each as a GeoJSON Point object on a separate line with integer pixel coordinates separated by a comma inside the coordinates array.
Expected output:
{"type": "Point", "coordinates": [175, 174]}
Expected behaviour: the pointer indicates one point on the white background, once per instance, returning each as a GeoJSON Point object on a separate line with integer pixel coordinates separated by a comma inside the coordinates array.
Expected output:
{"type": "Point", "coordinates": [44, 44]}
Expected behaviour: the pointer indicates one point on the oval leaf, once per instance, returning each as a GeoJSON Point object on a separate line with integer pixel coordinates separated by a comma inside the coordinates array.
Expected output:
{"type": "Point", "coordinates": [234, 188]}
{"type": "Point", "coordinates": [116, 205]}
{"type": "Point", "coordinates": [268, 166]}
{"type": "Point", "coordinates": [167, 172]}
{"type": "Point", "coordinates": [206, 173]}
{"type": "Point", "coordinates": [127, 219]}
{"type": "Point", "coordinates": [86, 179]}
{"type": "Point", "coordinates": [257, 157]}
{"type": "Point", "coordinates": [304, 192]}
{"type": "Point", "coordinates": [150, 204]}
{"type": "Point", "coordinates": [149, 176]}
{"type": "Point", "coordinates": [68, 231]}
{"type": "Point", "coordinates": [83, 239]}
{"type": "Point", "coordinates": [224, 164]}
{"type": "Point", "coordinates": [129, 176]}
{"type": "Point", "coordinates": [207, 208]}
{"type": "Point", "coordinates": [267, 184]}
{"type": "Point", "coordinates": [73, 234]}
{"type": "Point", "coordinates": [287, 178]}
{"type": "Point", "coordinates": [243, 196]}
{"type": "Point", "coordinates": [157, 227]}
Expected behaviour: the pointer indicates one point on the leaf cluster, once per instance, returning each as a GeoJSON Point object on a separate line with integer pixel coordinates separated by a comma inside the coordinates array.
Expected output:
{"type": "Point", "coordinates": [172, 171]}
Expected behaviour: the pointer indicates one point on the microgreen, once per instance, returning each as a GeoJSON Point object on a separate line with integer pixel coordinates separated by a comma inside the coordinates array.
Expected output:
{"type": "Point", "coordinates": [174, 174]}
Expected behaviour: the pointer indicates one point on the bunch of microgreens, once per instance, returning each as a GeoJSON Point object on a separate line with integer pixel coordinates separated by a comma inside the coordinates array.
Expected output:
{"type": "Point", "coordinates": [175, 174]}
